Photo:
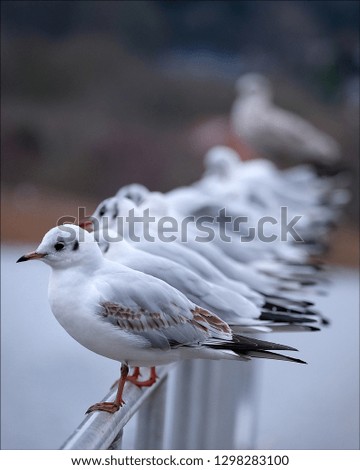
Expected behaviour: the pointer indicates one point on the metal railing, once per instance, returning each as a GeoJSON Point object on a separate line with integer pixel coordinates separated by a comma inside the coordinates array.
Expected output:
{"type": "Point", "coordinates": [192, 405]}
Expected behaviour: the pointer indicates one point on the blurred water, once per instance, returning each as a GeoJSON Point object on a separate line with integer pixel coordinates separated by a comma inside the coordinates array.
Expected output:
{"type": "Point", "coordinates": [48, 380]}
{"type": "Point", "coordinates": [316, 406]}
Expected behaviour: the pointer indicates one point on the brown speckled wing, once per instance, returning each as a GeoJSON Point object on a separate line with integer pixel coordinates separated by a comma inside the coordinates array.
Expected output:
{"type": "Point", "coordinates": [140, 320]}
{"type": "Point", "coordinates": [199, 327]}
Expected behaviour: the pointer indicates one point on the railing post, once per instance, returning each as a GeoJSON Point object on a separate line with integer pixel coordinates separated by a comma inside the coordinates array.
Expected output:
{"type": "Point", "coordinates": [181, 405]}
{"type": "Point", "coordinates": [247, 412]}
{"type": "Point", "coordinates": [209, 401]}
{"type": "Point", "coordinates": [151, 420]}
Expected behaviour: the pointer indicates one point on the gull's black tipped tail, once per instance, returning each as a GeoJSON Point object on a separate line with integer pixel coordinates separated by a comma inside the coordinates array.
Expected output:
{"type": "Point", "coordinates": [254, 344]}
{"type": "Point", "coordinates": [270, 327]}
{"type": "Point", "coordinates": [277, 357]}
{"type": "Point", "coordinates": [246, 348]}
{"type": "Point", "coordinates": [278, 307]}
{"type": "Point", "coordinates": [285, 318]}
{"type": "Point", "coordinates": [282, 300]}
{"type": "Point", "coordinates": [291, 316]}
{"type": "Point", "coordinates": [245, 344]}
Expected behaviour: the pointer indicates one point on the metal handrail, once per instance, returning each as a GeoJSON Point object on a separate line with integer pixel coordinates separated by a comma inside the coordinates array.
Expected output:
{"type": "Point", "coordinates": [100, 430]}
{"type": "Point", "coordinates": [205, 404]}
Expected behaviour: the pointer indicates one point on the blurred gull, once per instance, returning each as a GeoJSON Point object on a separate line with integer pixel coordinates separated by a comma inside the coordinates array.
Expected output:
{"type": "Point", "coordinates": [243, 314]}
{"type": "Point", "coordinates": [319, 205]}
{"type": "Point", "coordinates": [273, 131]}
{"type": "Point", "coordinates": [206, 259]}
{"type": "Point", "coordinates": [202, 261]}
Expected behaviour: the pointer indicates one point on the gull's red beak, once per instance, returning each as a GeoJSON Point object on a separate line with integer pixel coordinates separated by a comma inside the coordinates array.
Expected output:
{"type": "Point", "coordinates": [86, 224]}
{"type": "Point", "coordinates": [29, 256]}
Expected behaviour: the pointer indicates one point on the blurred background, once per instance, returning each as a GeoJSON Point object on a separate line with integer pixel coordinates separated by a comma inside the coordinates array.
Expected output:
{"type": "Point", "coordinates": [99, 94]}
{"type": "Point", "coordinates": [138, 91]}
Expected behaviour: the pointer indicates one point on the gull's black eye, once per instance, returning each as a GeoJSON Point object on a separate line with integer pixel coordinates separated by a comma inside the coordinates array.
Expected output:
{"type": "Point", "coordinates": [102, 211]}
{"type": "Point", "coordinates": [59, 246]}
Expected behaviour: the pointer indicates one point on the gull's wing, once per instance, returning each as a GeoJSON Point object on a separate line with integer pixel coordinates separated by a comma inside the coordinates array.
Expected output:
{"type": "Point", "coordinates": [165, 331]}
{"type": "Point", "coordinates": [201, 329]}
{"type": "Point", "coordinates": [146, 306]}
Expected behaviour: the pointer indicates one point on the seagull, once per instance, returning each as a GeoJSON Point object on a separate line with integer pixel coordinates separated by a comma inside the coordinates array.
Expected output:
{"type": "Point", "coordinates": [271, 130]}
{"type": "Point", "coordinates": [131, 317]}
{"type": "Point", "coordinates": [192, 268]}
{"type": "Point", "coordinates": [206, 259]}
{"type": "Point", "coordinates": [257, 189]}
{"type": "Point", "coordinates": [216, 254]}
{"type": "Point", "coordinates": [224, 165]}
{"type": "Point", "coordinates": [256, 313]}
{"type": "Point", "coordinates": [320, 205]}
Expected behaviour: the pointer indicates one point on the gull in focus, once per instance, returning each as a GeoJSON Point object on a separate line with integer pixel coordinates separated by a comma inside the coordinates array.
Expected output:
{"type": "Point", "coordinates": [131, 317]}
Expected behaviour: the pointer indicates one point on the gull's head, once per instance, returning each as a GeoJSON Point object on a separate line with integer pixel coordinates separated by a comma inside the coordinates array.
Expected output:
{"type": "Point", "coordinates": [135, 192]}
{"type": "Point", "coordinates": [221, 161]}
{"type": "Point", "coordinates": [106, 213]}
{"type": "Point", "coordinates": [65, 246]}
{"type": "Point", "coordinates": [110, 215]}
{"type": "Point", "coordinates": [254, 84]}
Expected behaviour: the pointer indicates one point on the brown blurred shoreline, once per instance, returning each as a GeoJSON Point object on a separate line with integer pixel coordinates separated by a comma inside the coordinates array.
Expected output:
{"type": "Point", "coordinates": [25, 218]}
{"type": "Point", "coordinates": [20, 223]}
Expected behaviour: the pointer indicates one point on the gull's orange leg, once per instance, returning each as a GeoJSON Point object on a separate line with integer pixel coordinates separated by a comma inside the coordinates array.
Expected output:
{"type": "Point", "coordinates": [135, 375]}
{"type": "Point", "coordinates": [145, 383]}
{"type": "Point", "coordinates": [112, 407]}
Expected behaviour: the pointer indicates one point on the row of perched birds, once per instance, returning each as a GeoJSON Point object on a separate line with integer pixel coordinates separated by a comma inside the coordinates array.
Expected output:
{"type": "Point", "coordinates": [153, 278]}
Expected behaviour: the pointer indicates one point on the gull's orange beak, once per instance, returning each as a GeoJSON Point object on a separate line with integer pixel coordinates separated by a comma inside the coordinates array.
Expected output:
{"type": "Point", "coordinates": [86, 224]}
{"type": "Point", "coordinates": [29, 256]}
